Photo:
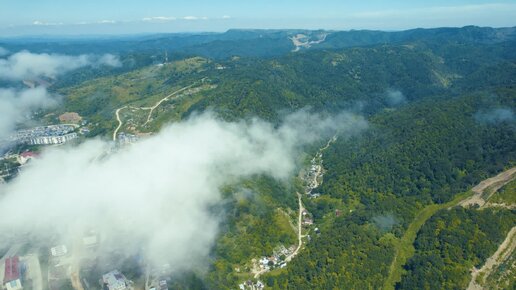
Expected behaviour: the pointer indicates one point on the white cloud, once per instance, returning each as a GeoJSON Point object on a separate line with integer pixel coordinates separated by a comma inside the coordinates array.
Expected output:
{"type": "Point", "coordinates": [106, 22]}
{"type": "Point", "coordinates": [109, 60]}
{"type": "Point", "coordinates": [195, 18]}
{"type": "Point", "coordinates": [496, 115]}
{"type": "Point", "coordinates": [158, 194]}
{"type": "Point", "coordinates": [226, 17]}
{"type": "Point", "coordinates": [395, 97]}
{"type": "Point", "coordinates": [26, 65]}
{"type": "Point", "coordinates": [158, 19]}
{"type": "Point", "coordinates": [190, 18]}
{"type": "Point", "coordinates": [17, 105]}
{"type": "Point", "coordinates": [43, 23]}
{"type": "Point", "coordinates": [436, 11]}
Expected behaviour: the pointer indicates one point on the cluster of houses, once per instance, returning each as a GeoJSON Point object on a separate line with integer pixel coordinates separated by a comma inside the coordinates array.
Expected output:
{"type": "Point", "coordinates": [45, 135]}
{"type": "Point", "coordinates": [276, 260]}
{"type": "Point", "coordinates": [249, 284]}
{"type": "Point", "coordinates": [126, 138]}
{"type": "Point", "coordinates": [313, 174]}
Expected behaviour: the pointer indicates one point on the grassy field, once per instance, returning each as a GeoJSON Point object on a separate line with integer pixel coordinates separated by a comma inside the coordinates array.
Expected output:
{"type": "Point", "coordinates": [505, 194]}
{"type": "Point", "coordinates": [405, 246]}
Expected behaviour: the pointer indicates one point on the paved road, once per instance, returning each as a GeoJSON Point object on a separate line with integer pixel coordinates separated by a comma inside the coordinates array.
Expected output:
{"type": "Point", "coordinates": [34, 270]}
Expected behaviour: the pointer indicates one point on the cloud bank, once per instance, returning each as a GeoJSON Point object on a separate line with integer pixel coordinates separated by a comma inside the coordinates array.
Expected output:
{"type": "Point", "coordinates": [3, 51]}
{"type": "Point", "coordinates": [158, 195]}
{"type": "Point", "coordinates": [26, 65]}
{"type": "Point", "coordinates": [17, 105]}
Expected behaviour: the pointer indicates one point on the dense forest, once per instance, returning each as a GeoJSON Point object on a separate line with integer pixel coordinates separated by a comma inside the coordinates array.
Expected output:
{"type": "Point", "coordinates": [451, 243]}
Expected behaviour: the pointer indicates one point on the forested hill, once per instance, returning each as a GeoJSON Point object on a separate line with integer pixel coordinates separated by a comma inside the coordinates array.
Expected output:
{"type": "Point", "coordinates": [366, 79]}
{"type": "Point", "coordinates": [140, 51]}
{"type": "Point", "coordinates": [440, 107]}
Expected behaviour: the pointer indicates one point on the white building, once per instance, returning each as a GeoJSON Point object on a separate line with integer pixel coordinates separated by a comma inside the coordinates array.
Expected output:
{"type": "Point", "coordinates": [50, 140]}
{"type": "Point", "coordinates": [90, 241]}
{"type": "Point", "coordinates": [59, 251]}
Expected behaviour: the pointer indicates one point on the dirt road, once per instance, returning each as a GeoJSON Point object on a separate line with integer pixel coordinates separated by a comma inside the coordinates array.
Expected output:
{"type": "Point", "coordinates": [151, 109]}
{"type": "Point", "coordinates": [484, 190]}
{"type": "Point", "coordinates": [34, 270]}
{"type": "Point", "coordinates": [299, 229]}
{"type": "Point", "coordinates": [161, 101]}
{"type": "Point", "coordinates": [406, 249]}
{"type": "Point", "coordinates": [117, 114]}
{"type": "Point", "coordinates": [504, 251]}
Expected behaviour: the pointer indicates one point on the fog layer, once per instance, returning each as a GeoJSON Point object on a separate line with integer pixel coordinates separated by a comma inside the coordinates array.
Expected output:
{"type": "Point", "coordinates": [156, 196]}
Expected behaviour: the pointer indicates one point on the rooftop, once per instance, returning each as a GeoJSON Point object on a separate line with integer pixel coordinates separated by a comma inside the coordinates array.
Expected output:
{"type": "Point", "coordinates": [12, 269]}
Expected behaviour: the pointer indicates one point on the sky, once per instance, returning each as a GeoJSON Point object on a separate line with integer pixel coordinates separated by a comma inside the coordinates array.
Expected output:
{"type": "Point", "coordinates": [33, 17]}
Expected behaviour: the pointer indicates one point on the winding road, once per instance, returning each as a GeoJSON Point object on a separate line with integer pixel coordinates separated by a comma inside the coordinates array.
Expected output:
{"type": "Point", "coordinates": [151, 109]}
{"type": "Point", "coordinates": [117, 114]}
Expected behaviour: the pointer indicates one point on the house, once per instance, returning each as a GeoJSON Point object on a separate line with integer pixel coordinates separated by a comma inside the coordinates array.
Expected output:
{"type": "Point", "coordinates": [114, 280]}
{"type": "Point", "coordinates": [12, 279]}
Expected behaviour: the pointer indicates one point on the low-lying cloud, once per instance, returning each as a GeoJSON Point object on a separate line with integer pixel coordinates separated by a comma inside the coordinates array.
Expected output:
{"type": "Point", "coordinates": [26, 65]}
{"type": "Point", "coordinates": [3, 51]}
{"type": "Point", "coordinates": [395, 98]}
{"type": "Point", "coordinates": [159, 193]}
{"type": "Point", "coordinates": [494, 116]}
{"type": "Point", "coordinates": [17, 105]}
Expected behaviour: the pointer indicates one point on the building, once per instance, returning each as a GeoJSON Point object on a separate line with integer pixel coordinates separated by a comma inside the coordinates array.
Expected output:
{"type": "Point", "coordinates": [26, 156]}
{"type": "Point", "coordinates": [90, 240]}
{"type": "Point", "coordinates": [70, 117]}
{"type": "Point", "coordinates": [51, 140]}
{"type": "Point", "coordinates": [47, 135]}
{"type": "Point", "coordinates": [114, 280]}
{"type": "Point", "coordinates": [12, 280]}
{"type": "Point", "coordinates": [163, 285]}
{"type": "Point", "coordinates": [59, 251]}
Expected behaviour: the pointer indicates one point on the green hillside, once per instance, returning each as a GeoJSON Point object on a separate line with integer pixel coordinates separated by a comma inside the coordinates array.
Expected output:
{"type": "Point", "coordinates": [431, 99]}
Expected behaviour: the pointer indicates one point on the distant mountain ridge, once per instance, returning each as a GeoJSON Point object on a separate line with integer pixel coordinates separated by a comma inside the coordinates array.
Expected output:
{"type": "Point", "coordinates": [255, 42]}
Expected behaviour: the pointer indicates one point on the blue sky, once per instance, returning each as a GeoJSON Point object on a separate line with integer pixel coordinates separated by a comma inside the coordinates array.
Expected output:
{"type": "Point", "coordinates": [19, 17]}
